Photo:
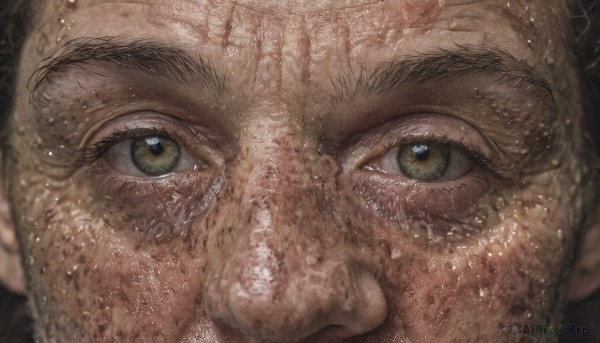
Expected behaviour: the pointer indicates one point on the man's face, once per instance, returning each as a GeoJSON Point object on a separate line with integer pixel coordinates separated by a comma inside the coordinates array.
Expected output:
{"type": "Point", "coordinates": [204, 171]}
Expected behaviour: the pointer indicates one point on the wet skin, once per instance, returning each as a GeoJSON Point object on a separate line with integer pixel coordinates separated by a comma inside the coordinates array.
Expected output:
{"type": "Point", "coordinates": [287, 216]}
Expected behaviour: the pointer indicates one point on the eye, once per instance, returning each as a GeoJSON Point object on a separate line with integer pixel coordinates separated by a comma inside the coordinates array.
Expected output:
{"type": "Point", "coordinates": [155, 155]}
{"type": "Point", "coordinates": [425, 161]}
{"type": "Point", "coordinates": [147, 154]}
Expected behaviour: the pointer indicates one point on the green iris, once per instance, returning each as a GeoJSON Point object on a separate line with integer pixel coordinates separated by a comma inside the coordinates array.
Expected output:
{"type": "Point", "coordinates": [424, 161]}
{"type": "Point", "coordinates": [155, 155]}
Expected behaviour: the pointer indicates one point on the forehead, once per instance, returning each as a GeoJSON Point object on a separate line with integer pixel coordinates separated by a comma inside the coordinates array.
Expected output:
{"type": "Point", "coordinates": [301, 38]}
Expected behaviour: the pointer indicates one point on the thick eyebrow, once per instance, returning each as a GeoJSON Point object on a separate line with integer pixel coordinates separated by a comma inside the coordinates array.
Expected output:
{"type": "Point", "coordinates": [436, 66]}
{"type": "Point", "coordinates": [167, 62]}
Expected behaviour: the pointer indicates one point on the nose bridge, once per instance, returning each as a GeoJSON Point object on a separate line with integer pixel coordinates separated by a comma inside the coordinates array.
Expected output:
{"type": "Point", "coordinates": [291, 276]}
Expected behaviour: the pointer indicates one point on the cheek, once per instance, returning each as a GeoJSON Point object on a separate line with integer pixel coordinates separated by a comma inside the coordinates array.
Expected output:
{"type": "Point", "coordinates": [512, 272]}
{"type": "Point", "coordinates": [91, 280]}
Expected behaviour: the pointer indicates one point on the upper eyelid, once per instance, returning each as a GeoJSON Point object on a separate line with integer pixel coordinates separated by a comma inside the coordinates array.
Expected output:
{"type": "Point", "coordinates": [456, 132]}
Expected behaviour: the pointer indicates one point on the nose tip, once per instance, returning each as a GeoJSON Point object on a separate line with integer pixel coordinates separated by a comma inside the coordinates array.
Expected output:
{"type": "Point", "coordinates": [271, 297]}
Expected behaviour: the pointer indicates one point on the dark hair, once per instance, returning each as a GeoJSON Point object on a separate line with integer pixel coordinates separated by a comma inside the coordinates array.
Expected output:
{"type": "Point", "coordinates": [586, 26]}
{"type": "Point", "coordinates": [15, 18]}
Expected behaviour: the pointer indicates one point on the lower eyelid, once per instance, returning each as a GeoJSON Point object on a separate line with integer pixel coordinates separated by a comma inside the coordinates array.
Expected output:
{"type": "Point", "coordinates": [392, 195]}
{"type": "Point", "coordinates": [138, 199]}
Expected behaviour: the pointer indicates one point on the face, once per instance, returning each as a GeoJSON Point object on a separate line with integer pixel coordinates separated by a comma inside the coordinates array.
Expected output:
{"type": "Point", "coordinates": [383, 171]}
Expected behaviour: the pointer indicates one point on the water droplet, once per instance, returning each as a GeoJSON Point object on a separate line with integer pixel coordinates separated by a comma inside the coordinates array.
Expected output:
{"type": "Point", "coordinates": [71, 3]}
{"type": "Point", "coordinates": [555, 162]}
{"type": "Point", "coordinates": [577, 178]}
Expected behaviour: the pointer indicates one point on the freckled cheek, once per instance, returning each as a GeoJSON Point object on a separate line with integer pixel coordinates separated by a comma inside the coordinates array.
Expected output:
{"type": "Point", "coordinates": [511, 271]}
{"type": "Point", "coordinates": [83, 271]}
{"type": "Point", "coordinates": [160, 291]}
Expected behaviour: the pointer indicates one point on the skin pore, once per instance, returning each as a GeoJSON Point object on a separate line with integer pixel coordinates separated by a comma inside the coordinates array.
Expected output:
{"type": "Point", "coordinates": [285, 214]}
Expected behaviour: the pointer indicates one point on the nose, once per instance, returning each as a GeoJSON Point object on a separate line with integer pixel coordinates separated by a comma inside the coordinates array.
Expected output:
{"type": "Point", "coordinates": [294, 274]}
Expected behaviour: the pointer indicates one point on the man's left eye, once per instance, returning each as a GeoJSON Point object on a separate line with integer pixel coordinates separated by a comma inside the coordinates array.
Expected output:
{"type": "Point", "coordinates": [425, 161]}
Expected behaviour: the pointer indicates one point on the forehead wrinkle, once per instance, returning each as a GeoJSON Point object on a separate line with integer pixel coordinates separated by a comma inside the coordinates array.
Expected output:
{"type": "Point", "coordinates": [300, 60]}
{"type": "Point", "coordinates": [301, 6]}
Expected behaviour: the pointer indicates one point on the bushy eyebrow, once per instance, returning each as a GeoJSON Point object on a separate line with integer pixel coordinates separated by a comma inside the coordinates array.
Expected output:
{"type": "Point", "coordinates": [168, 62]}
{"type": "Point", "coordinates": [436, 66]}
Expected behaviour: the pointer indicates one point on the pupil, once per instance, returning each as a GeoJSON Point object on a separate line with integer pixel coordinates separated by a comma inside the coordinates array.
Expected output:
{"type": "Point", "coordinates": [154, 144]}
{"type": "Point", "coordinates": [421, 151]}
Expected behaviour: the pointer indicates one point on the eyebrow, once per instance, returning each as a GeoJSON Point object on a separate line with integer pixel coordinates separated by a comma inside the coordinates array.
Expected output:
{"type": "Point", "coordinates": [437, 66]}
{"type": "Point", "coordinates": [168, 62]}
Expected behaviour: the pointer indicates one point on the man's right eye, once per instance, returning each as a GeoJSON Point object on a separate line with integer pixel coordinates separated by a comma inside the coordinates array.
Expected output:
{"type": "Point", "coordinates": [148, 155]}
{"type": "Point", "coordinates": [155, 155]}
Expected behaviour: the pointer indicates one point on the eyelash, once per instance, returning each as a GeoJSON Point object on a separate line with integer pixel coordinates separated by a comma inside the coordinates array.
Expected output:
{"type": "Point", "coordinates": [480, 160]}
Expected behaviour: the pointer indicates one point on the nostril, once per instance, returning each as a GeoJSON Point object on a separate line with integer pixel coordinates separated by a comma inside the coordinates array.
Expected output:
{"type": "Point", "coordinates": [329, 333]}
